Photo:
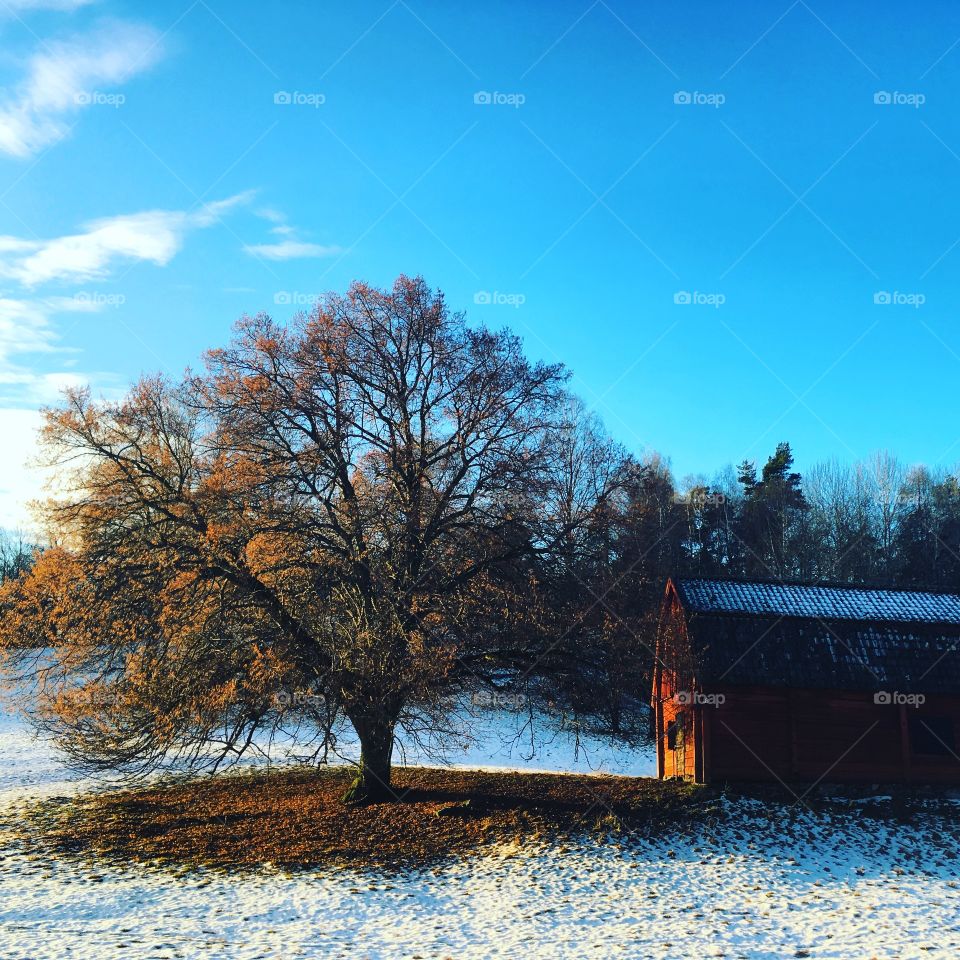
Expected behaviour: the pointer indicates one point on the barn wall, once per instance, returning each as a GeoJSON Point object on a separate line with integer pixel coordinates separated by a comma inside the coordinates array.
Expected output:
{"type": "Point", "coordinates": [807, 735]}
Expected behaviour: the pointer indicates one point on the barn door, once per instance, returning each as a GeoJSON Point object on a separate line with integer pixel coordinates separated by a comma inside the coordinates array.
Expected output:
{"type": "Point", "coordinates": [678, 733]}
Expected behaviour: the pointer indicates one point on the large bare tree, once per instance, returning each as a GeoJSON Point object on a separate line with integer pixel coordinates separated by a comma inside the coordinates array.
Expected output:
{"type": "Point", "coordinates": [340, 517]}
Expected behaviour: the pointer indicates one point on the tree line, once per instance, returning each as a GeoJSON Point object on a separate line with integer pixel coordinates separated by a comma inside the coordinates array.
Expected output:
{"type": "Point", "coordinates": [874, 522]}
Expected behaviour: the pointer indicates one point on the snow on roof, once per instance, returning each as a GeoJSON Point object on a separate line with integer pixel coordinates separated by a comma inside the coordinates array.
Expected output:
{"type": "Point", "coordinates": [820, 602]}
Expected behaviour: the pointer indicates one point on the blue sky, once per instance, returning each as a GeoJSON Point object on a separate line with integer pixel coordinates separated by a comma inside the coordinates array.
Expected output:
{"type": "Point", "coordinates": [736, 226]}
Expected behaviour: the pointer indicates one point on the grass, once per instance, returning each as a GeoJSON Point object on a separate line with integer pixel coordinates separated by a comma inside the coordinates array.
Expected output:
{"type": "Point", "coordinates": [295, 818]}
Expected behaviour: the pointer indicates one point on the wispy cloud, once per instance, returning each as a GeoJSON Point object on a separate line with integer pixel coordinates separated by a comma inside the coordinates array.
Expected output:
{"type": "Point", "coordinates": [61, 78]}
{"type": "Point", "coordinates": [25, 328]}
{"type": "Point", "coordinates": [25, 324]}
{"type": "Point", "coordinates": [290, 250]}
{"type": "Point", "coordinates": [271, 214]}
{"type": "Point", "coordinates": [154, 236]}
{"type": "Point", "coordinates": [14, 7]}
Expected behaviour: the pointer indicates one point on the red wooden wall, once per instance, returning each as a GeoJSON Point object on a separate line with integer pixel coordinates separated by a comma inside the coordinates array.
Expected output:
{"type": "Point", "coordinates": [762, 733]}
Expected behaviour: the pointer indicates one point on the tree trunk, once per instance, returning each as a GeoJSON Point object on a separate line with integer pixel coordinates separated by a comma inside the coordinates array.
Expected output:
{"type": "Point", "coordinates": [372, 784]}
{"type": "Point", "coordinates": [615, 712]}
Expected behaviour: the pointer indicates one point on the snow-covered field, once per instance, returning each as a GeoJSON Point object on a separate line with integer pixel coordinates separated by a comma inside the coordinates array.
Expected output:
{"type": "Point", "coordinates": [757, 883]}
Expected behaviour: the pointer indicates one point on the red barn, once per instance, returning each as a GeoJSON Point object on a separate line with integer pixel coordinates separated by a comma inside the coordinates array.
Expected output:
{"type": "Point", "coordinates": [786, 682]}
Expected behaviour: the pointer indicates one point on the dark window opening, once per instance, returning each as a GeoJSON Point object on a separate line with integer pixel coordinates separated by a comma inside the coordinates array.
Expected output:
{"type": "Point", "coordinates": [932, 736]}
{"type": "Point", "coordinates": [675, 733]}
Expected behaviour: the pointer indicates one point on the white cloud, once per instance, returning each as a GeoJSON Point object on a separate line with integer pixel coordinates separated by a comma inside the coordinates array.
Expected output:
{"type": "Point", "coordinates": [289, 250]}
{"type": "Point", "coordinates": [13, 7]}
{"type": "Point", "coordinates": [15, 245]}
{"type": "Point", "coordinates": [153, 235]}
{"type": "Point", "coordinates": [23, 328]}
{"type": "Point", "coordinates": [271, 214]}
{"type": "Point", "coordinates": [64, 74]}
{"type": "Point", "coordinates": [25, 323]}
{"type": "Point", "coordinates": [209, 213]}
{"type": "Point", "coordinates": [26, 326]}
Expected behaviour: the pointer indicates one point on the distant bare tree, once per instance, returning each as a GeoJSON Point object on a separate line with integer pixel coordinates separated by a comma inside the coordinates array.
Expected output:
{"type": "Point", "coordinates": [886, 478]}
{"type": "Point", "coordinates": [16, 554]}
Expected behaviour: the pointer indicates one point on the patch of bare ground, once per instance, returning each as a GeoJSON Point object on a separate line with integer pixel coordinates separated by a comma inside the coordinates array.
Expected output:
{"type": "Point", "coordinates": [295, 818]}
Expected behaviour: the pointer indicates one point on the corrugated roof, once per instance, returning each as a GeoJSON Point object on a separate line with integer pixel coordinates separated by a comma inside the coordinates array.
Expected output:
{"type": "Point", "coordinates": [816, 602]}
{"type": "Point", "coordinates": [845, 655]}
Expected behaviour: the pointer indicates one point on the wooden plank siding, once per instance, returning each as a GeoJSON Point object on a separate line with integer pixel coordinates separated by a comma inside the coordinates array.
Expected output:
{"type": "Point", "coordinates": [766, 734]}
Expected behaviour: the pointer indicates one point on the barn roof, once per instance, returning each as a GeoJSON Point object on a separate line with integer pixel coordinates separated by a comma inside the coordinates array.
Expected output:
{"type": "Point", "coordinates": [804, 635]}
{"type": "Point", "coordinates": [814, 600]}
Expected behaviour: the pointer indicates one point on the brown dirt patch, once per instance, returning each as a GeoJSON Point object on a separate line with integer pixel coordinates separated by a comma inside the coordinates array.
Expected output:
{"type": "Point", "coordinates": [295, 818]}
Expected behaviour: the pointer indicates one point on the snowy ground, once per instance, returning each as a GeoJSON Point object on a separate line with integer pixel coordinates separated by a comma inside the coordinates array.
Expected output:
{"type": "Point", "coordinates": [29, 768]}
{"type": "Point", "coordinates": [758, 883]}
